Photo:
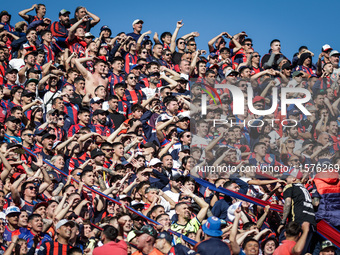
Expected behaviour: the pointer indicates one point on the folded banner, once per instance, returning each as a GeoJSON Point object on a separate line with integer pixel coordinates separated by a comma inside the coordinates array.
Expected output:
{"type": "Point", "coordinates": [185, 238]}
{"type": "Point", "coordinates": [237, 195]}
{"type": "Point", "coordinates": [323, 228]}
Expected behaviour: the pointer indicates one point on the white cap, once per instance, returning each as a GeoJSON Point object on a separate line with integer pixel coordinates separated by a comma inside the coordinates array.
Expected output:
{"type": "Point", "coordinates": [63, 222]}
{"type": "Point", "coordinates": [334, 52]}
{"type": "Point", "coordinates": [12, 209]}
{"type": "Point", "coordinates": [136, 21]}
{"type": "Point", "coordinates": [88, 34]}
{"type": "Point", "coordinates": [326, 47]}
{"type": "Point", "coordinates": [155, 161]}
{"type": "Point", "coordinates": [230, 72]}
{"type": "Point", "coordinates": [232, 209]}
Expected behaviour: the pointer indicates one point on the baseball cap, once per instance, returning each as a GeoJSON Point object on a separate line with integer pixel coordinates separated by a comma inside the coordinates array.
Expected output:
{"type": "Point", "coordinates": [33, 70]}
{"type": "Point", "coordinates": [165, 235]}
{"type": "Point", "coordinates": [12, 209]}
{"type": "Point", "coordinates": [286, 66]}
{"type": "Point", "coordinates": [33, 52]}
{"type": "Point", "coordinates": [32, 80]}
{"type": "Point", "coordinates": [40, 205]}
{"type": "Point", "coordinates": [293, 112]}
{"type": "Point", "coordinates": [64, 222]}
{"type": "Point", "coordinates": [137, 21]}
{"type": "Point", "coordinates": [212, 55]}
{"type": "Point", "coordinates": [326, 47]}
{"type": "Point", "coordinates": [212, 227]}
{"type": "Point", "coordinates": [136, 66]}
{"type": "Point", "coordinates": [26, 46]}
{"type": "Point", "coordinates": [326, 244]}
{"type": "Point", "coordinates": [105, 28]}
{"type": "Point", "coordinates": [63, 12]}
{"type": "Point", "coordinates": [333, 53]}
{"type": "Point", "coordinates": [155, 161]}
{"type": "Point", "coordinates": [27, 93]}
{"type": "Point", "coordinates": [100, 111]}
{"type": "Point", "coordinates": [296, 73]}
{"type": "Point", "coordinates": [232, 209]}
{"type": "Point", "coordinates": [97, 152]}
{"type": "Point", "coordinates": [122, 197]}
{"type": "Point", "coordinates": [96, 100]}
{"type": "Point", "coordinates": [48, 135]}
{"type": "Point", "coordinates": [13, 119]}
{"type": "Point", "coordinates": [89, 35]}
{"type": "Point", "coordinates": [10, 69]}
{"type": "Point", "coordinates": [231, 71]}
{"type": "Point", "coordinates": [258, 99]}
{"type": "Point", "coordinates": [147, 229]}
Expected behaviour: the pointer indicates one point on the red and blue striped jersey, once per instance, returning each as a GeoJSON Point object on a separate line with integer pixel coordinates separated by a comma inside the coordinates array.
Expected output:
{"type": "Point", "coordinates": [54, 248]}
{"type": "Point", "coordinates": [74, 129]}
{"type": "Point", "coordinates": [49, 54]}
{"type": "Point", "coordinates": [58, 30]}
{"type": "Point", "coordinates": [134, 96]}
{"type": "Point", "coordinates": [123, 108]}
{"type": "Point", "coordinates": [130, 60]}
{"type": "Point", "coordinates": [113, 80]}
{"type": "Point", "coordinates": [76, 45]}
{"type": "Point", "coordinates": [103, 130]}
{"type": "Point", "coordinates": [71, 110]}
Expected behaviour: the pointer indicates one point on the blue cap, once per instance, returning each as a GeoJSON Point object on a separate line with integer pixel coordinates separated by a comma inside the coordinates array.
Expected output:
{"type": "Point", "coordinates": [213, 226]}
{"type": "Point", "coordinates": [212, 55]}
{"type": "Point", "coordinates": [135, 66]}
{"type": "Point", "coordinates": [293, 112]}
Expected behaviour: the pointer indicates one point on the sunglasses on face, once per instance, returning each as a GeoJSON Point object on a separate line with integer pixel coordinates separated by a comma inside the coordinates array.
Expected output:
{"type": "Point", "coordinates": [168, 93]}
{"type": "Point", "coordinates": [31, 188]}
{"type": "Point", "coordinates": [168, 54]}
{"type": "Point", "coordinates": [29, 135]}
{"type": "Point", "coordinates": [188, 136]}
{"type": "Point", "coordinates": [256, 56]}
{"type": "Point", "coordinates": [184, 198]}
{"type": "Point", "coordinates": [132, 78]}
{"type": "Point", "coordinates": [144, 52]}
{"type": "Point", "coordinates": [107, 149]}
{"type": "Point", "coordinates": [192, 44]}
{"type": "Point", "coordinates": [61, 118]}
{"type": "Point", "coordinates": [290, 141]}
{"type": "Point", "coordinates": [248, 44]}
{"type": "Point", "coordinates": [181, 43]}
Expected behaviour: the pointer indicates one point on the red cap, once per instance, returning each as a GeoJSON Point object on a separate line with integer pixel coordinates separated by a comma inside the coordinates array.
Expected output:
{"type": "Point", "coordinates": [258, 99]}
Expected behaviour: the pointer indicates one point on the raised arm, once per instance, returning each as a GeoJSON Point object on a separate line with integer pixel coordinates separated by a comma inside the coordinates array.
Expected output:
{"type": "Point", "coordinates": [73, 29]}
{"type": "Point", "coordinates": [84, 72]}
{"type": "Point", "coordinates": [140, 40]}
{"type": "Point", "coordinates": [213, 40]}
{"type": "Point", "coordinates": [23, 13]}
{"type": "Point", "coordinates": [200, 201]}
{"type": "Point", "coordinates": [95, 19]}
{"type": "Point", "coordinates": [174, 36]}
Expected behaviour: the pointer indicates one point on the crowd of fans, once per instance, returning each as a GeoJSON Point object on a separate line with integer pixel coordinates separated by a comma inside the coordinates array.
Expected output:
{"type": "Point", "coordinates": [122, 114]}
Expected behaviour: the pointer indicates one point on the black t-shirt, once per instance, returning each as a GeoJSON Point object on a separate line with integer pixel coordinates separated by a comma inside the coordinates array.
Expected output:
{"type": "Point", "coordinates": [302, 207]}
{"type": "Point", "coordinates": [86, 25]}
{"type": "Point", "coordinates": [176, 57]}
{"type": "Point", "coordinates": [117, 119]}
{"type": "Point", "coordinates": [77, 99]}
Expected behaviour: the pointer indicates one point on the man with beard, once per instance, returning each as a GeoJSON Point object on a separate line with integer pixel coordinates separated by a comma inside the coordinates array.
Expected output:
{"type": "Point", "coordinates": [34, 234]}
{"type": "Point", "coordinates": [52, 92]}
{"type": "Point", "coordinates": [99, 123]}
{"type": "Point", "coordinates": [168, 164]}
{"type": "Point", "coordinates": [60, 245]}
{"type": "Point", "coordinates": [171, 104]}
{"type": "Point", "coordinates": [115, 114]}
{"type": "Point", "coordinates": [47, 143]}
{"type": "Point", "coordinates": [59, 28]}
{"type": "Point", "coordinates": [184, 222]}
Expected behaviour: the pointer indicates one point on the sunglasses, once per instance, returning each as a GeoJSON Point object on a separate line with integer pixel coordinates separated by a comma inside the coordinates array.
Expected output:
{"type": "Point", "coordinates": [168, 54]}
{"type": "Point", "coordinates": [188, 136]}
{"type": "Point", "coordinates": [61, 118]}
{"type": "Point", "coordinates": [2, 224]}
{"type": "Point", "coordinates": [256, 56]}
{"type": "Point", "coordinates": [184, 198]}
{"type": "Point", "coordinates": [248, 44]}
{"type": "Point", "coordinates": [168, 93]}
{"type": "Point", "coordinates": [192, 44]}
{"type": "Point", "coordinates": [29, 135]}
{"type": "Point", "coordinates": [294, 160]}
{"type": "Point", "coordinates": [181, 43]}
{"type": "Point", "coordinates": [53, 114]}
{"type": "Point", "coordinates": [132, 78]}
{"type": "Point", "coordinates": [144, 52]}
{"type": "Point", "coordinates": [290, 141]}
{"type": "Point", "coordinates": [31, 188]}
{"type": "Point", "coordinates": [107, 149]}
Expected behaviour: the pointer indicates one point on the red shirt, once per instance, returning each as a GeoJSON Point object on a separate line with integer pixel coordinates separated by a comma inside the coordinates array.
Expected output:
{"type": "Point", "coordinates": [112, 247]}
{"type": "Point", "coordinates": [286, 248]}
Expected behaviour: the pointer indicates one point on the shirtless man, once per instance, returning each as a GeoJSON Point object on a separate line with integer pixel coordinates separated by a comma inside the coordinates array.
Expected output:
{"type": "Point", "coordinates": [92, 80]}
